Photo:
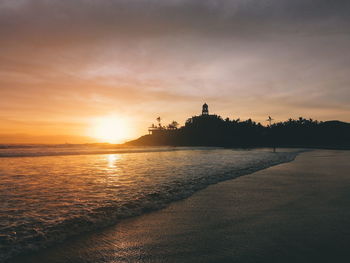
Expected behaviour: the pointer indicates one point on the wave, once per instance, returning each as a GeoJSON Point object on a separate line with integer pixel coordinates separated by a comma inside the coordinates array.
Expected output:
{"type": "Point", "coordinates": [112, 213]}
{"type": "Point", "coordinates": [8, 151]}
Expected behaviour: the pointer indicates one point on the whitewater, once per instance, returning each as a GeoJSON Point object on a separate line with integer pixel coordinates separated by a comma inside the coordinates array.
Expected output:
{"type": "Point", "coordinates": [50, 193]}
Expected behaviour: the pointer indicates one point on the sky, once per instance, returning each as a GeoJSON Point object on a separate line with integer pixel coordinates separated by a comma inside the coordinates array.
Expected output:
{"type": "Point", "coordinates": [65, 65]}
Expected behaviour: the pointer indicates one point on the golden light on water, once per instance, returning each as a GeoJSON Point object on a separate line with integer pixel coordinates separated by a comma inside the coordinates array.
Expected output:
{"type": "Point", "coordinates": [110, 129]}
{"type": "Point", "coordinates": [112, 159]}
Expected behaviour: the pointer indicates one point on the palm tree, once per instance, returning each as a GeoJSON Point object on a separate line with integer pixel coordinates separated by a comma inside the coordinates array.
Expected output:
{"type": "Point", "coordinates": [269, 119]}
{"type": "Point", "coordinates": [158, 120]}
{"type": "Point", "coordinates": [175, 124]}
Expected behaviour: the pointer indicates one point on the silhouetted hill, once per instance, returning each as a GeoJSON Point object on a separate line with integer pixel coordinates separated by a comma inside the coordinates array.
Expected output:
{"type": "Point", "coordinates": [212, 130]}
{"type": "Point", "coordinates": [335, 123]}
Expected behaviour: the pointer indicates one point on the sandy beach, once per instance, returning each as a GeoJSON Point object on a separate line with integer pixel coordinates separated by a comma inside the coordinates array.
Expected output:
{"type": "Point", "coordinates": [292, 212]}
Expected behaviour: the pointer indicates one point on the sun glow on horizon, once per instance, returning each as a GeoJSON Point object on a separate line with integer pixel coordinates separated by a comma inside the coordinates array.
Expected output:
{"type": "Point", "coordinates": [110, 129]}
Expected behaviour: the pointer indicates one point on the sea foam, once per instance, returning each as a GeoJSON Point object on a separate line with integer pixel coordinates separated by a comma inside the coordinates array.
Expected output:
{"type": "Point", "coordinates": [50, 198]}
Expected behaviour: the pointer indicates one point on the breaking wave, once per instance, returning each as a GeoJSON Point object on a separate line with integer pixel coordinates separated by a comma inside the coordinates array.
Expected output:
{"type": "Point", "coordinates": [52, 198]}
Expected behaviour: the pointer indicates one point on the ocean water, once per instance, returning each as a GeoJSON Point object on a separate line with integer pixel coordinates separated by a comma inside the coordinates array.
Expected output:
{"type": "Point", "coordinates": [50, 193]}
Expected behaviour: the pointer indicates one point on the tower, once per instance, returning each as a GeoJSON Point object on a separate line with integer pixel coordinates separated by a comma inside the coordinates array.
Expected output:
{"type": "Point", "coordinates": [205, 110]}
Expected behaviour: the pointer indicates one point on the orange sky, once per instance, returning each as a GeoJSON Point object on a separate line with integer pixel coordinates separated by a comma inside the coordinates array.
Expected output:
{"type": "Point", "coordinates": [64, 64]}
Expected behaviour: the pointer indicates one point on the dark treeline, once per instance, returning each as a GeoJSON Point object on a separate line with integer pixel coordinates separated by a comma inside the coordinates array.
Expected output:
{"type": "Point", "coordinates": [212, 130]}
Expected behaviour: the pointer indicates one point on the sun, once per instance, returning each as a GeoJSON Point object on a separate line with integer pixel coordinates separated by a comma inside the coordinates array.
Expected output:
{"type": "Point", "coordinates": [110, 129]}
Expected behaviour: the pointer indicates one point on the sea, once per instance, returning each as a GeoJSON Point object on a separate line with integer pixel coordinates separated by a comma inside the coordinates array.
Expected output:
{"type": "Point", "coordinates": [49, 193]}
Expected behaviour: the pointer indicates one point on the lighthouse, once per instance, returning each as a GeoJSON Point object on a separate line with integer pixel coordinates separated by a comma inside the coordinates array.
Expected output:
{"type": "Point", "coordinates": [205, 110]}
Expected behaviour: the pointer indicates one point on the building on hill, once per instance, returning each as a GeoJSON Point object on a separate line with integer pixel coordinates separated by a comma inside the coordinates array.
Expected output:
{"type": "Point", "coordinates": [205, 109]}
{"type": "Point", "coordinates": [203, 120]}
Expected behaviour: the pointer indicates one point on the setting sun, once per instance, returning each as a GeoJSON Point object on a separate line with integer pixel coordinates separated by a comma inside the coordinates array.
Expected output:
{"type": "Point", "coordinates": [111, 129]}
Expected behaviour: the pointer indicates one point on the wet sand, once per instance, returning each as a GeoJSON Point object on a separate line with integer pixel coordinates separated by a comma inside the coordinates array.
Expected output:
{"type": "Point", "coordinates": [293, 212]}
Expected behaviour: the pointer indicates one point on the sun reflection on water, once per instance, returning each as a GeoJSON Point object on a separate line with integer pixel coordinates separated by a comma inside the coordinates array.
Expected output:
{"type": "Point", "coordinates": [94, 189]}
{"type": "Point", "coordinates": [112, 160]}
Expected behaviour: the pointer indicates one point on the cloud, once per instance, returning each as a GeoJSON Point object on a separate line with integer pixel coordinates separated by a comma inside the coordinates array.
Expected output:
{"type": "Point", "coordinates": [68, 60]}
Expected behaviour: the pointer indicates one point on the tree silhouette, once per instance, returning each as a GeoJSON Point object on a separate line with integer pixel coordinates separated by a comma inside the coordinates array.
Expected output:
{"type": "Point", "coordinates": [173, 125]}
{"type": "Point", "coordinates": [212, 130]}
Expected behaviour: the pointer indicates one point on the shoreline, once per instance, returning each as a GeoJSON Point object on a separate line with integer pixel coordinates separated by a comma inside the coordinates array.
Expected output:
{"type": "Point", "coordinates": [282, 158]}
{"type": "Point", "coordinates": [289, 210]}
{"type": "Point", "coordinates": [125, 150]}
{"type": "Point", "coordinates": [144, 149]}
